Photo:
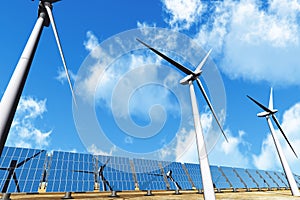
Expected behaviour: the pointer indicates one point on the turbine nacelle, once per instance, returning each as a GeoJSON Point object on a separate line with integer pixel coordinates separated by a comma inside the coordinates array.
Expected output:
{"type": "Point", "coordinates": [265, 113]}
{"type": "Point", "coordinates": [187, 79]}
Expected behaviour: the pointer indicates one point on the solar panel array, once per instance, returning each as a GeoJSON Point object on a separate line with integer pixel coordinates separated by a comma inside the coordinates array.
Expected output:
{"type": "Point", "coordinates": [70, 172]}
{"type": "Point", "coordinates": [195, 174]}
{"type": "Point", "coordinates": [232, 177]}
{"type": "Point", "coordinates": [178, 175]}
{"type": "Point", "coordinates": [21, 169]}
{"type": "Point", "coordinates": [117, 173]}
{"type": "Point", "coordinates": [149, 175]}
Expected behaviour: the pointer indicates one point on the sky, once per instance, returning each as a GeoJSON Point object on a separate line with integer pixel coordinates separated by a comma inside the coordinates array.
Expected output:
{"type": "Point", "coordinates": [130, 102]}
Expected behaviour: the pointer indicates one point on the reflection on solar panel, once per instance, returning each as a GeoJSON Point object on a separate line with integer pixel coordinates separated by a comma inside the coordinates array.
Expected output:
{"type": "Point", "coordinates": [267, 178]}
{"type": "Point", "coordinates": [70, 172]}
{"type": "Point", "coordinates": [246, 178]}
{"type": "Point", "coordinates": [179, 176]}
{"type": "Point", "coordinates": [149, 175]}
{"type": "Point", "coordinates": [21, 169]}
{"type": "Point", "coordinates": [282, 177]}
{"type": "Point", "coordinates": [257, 178]}
{"type": "Point", "coordinates": [277, 179]}
{"type": "Point", "coordinates": [232, 177]}
{"type": "Point", "coordinates": [117, 174]}
{"type": "Point", "coordinates": [195, 174]}
{"type": "Point", "coordinates": [219, 180]}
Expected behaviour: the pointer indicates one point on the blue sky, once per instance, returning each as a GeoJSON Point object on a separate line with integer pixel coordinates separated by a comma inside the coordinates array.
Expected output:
{"type": "Point", "coordinates": [255, 46]}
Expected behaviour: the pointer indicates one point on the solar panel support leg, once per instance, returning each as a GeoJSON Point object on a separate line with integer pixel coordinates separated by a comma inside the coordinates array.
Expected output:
{"type": "Point", "coordinates": [68, 195]}
{"type": "Point", "coordinates": [177, 192]}
{"type": "Point", "coordinates": [149, 193]}
{"type": "Point", "coordinates": [6, 196]}
{"type": "Point", "coordinates": [200, 191]}
{"type": "Point", "coordinates": [113, 193]}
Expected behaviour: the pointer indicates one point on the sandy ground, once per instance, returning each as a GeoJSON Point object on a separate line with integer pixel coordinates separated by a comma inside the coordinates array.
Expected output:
{"type": "Point", "coordinates": [189, 195]}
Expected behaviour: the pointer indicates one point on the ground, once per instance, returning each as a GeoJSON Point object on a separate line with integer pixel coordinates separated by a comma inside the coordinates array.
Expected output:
{"type": "Point", "coordinates": [189, 195]}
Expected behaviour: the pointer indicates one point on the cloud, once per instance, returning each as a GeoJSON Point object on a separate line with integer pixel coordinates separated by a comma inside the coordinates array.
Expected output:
{"type": "Point", "coordinates": [291, 127]}
{"type": "Point", "coordinates": [62, 77]}
{"type": "Point", "coordinates": [253, 42]}
{"type": "Point", "coordinates": [24, 131]}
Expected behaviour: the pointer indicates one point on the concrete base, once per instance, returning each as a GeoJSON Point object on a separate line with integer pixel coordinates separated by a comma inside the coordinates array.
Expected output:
{"type": "Point", "coordinates": [68, 195]}
{"type": "Point", "coordinates": [6, 196]}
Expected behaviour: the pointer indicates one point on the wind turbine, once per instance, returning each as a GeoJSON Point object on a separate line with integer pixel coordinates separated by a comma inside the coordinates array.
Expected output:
{"type": "Point", "coordinates": [207, 182]}
{"type": "Point", "coordinates": [270, 111]}
{"type": "Point", "coordinates": [12, 94]}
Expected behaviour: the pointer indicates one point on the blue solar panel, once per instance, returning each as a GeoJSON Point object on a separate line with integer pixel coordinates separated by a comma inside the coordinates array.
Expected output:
{"type": "Point", "coordinates": [219, 180]}
{"type": "Point", "coordinates": [195, 174]}
{"type": "Point", "coordinates": [246, 178]}
{"type": "Point", "coordinates": [70, 172]}
{"type": "Point", "coordinates": [21, 169]}
{"type": "Point", "coordinates": [179, 176]}
{"type": "Point", "coordinates": [149, 175]}
{"type": "Point", "coordinates": [277, 179]}
{"type": "Point", "coordinates": [267, 179]}
{"type": "Point", "coordinates": [282, 177]}
{"type": "Point", "coordinates": [297, 179]}
{"type": "Point", "coordinates": [233, 177]}
{"type": "Point", "coordinates": [117, 173]}
{"type": "Point", "coordinates": [257, 178]}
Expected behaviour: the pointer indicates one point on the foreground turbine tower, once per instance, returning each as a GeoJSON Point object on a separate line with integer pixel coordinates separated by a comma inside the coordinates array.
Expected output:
{"type": "Point", "coordinates": [207, 183]}
{"type": "Point", "coordinates": [12, 94]}
{"type": "Point", "coordinates": [270, 112]}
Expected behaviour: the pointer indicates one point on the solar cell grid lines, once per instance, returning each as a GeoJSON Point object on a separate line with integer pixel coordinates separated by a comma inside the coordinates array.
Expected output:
{"type": "Point", "coordinates": [257, 178]}
{"type": "Point", "coordinates": [149, 175]}
{"type": "Point", "coordinates": [246, 178]}
{"type": "Point", "coordinates": [21, 169]}
{"type": "Point", "coordinates": [277, 179]}
{"type": "Point", "coordinates": [219, 180]}
{"type": "Point", "coordinates": [233, 177]}
{"type": "Point", "coordinates": [195, 174]}
{"type": "Point", "coordinates": [179, 176]}
{"type": "Point", "coordinates": [70, 172]}
{"type": "Point", "coordinates": [268, 179]}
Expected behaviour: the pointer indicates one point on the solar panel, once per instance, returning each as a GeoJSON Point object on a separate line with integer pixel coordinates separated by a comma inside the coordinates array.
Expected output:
{"type": "Point", "coordinates": [21, 169]}
{"type": "Point", "coordinates": [277, 179]}
{"type": "Point", "coordinates": [178, 175]}
{"type": "Point", "coordinates": [149, 175]}
{"type": "Point", "coordinates": [246, 178]}
{"type": "Point", "coordinates": [219, 180]}
{"type": "Point", "coordinates": [297, 178]}
{"type": "Point", "coordinates": [116, 173]}
{"type": "Point", "coordinates": [233, 177]}
{"type": "Point", "coordinates": [71, 172]}
{"type": "Point", "coordinates": [195, 174]}
{"type": "Point", "coordinates": [257, 178]}
{"type": "Point", "coordinates": [268, 179]}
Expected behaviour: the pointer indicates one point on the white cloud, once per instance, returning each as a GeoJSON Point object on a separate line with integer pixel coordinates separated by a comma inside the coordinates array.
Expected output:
{"type": "Point", "coordinates": [253, 43]}
{"type": "Point", "coordinates": [24, 131]}
{"type": "Point", "coordinates": [62, 77]}
{"type": "Point", "coordinates": [183, 13]}
{"type": "Point", "coordinates": [291, 127]}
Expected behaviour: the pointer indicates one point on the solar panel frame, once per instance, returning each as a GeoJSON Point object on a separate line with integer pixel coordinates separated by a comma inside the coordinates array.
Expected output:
{"type": "Point", "coordinates": [250, 184]}
{"type": "Point", "coordinates": [271, 183]}
{"type": "Point", "coordinates": [195, 174]}
{"type": "Point", "coordinates": [179, 175]}
{"type": "Point", "coordinates": [27, 170]}
{"type": "Point", "coordinates": [70, 172]}
{"type": "Point", "coordinates": [257, 178]}
{"type": "Point", "coordinates": [219, 180]}
{"type": "Point", "coordinates": [232, 177]}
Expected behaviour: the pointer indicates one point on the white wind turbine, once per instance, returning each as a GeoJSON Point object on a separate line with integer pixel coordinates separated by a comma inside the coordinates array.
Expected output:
{"type": "Point", "coordinates": [270, 111]}
{"type": "Point", "coordinates": [207, 183]}
{"type": "Point", "coordinates": [12, 94]}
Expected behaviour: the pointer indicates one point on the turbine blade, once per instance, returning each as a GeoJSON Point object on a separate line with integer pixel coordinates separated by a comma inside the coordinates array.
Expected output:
{"type": "Point", "coordinates": [16, 182]}
{"type": "Point", "coordinates": [27, 159]}
{"type": "Point", "coordinates": [271, 100]}
{"type": "Point", "coordinates": [198, 69]}
{"type": "Point", "coordinates": [210, 106]}
{"type": "Point", "coordinates": [60, 50]}
{"type": "Point", "coordinates": [173, 62]}
{"type": "Point", "coordinates": [260, 105]}
{"type": "Point", "coordinates": [83, 171]}
{"type": "Point", "coordinates": [278, 125]}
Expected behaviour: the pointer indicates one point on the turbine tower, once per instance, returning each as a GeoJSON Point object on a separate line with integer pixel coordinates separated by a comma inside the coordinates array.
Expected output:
{"type": "Point", "coordinates": [207, 183]}
{"type": "Point", "coordinates": [270, 111]}
{"type": "Point", "coordinates": [12, 94]}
